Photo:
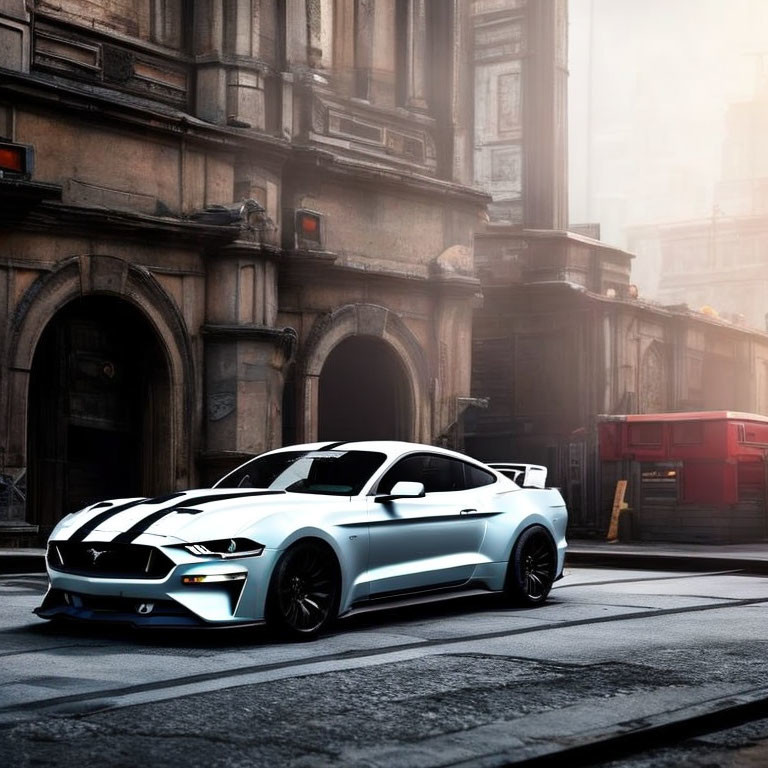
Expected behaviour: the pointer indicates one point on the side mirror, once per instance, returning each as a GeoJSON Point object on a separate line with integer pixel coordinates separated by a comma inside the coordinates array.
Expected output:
{"type": "Point", "coordinates": [404, 489]}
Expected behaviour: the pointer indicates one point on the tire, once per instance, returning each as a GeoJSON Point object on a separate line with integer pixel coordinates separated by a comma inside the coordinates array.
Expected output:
{"type": "Point", "coordinates": [531, 569]}
{"type": "Point", "coordinates": [303, 596]}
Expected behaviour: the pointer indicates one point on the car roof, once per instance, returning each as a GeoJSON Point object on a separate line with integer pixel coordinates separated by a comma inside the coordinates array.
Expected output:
{"type": "Point", "coordinates": [391, 448]}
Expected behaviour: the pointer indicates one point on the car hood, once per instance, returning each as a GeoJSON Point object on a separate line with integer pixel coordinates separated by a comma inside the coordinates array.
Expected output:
{"type": "Point", "coordinates": [188, 516]}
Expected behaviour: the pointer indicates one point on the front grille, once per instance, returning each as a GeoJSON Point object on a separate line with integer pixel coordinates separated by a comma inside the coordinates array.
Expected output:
{"type": "Point", "coordinates": [108, 560]}
{"type": "Point", "coordinates": [128, 605]}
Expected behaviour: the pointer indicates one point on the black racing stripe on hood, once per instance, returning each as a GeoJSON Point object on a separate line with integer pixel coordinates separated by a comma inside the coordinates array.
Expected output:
{"type": "Point", "coordinates": [147, 522]}
{"type": "Point", "coordinates": [331, 446]}
{"type": "Point", "coordinates": [97, 520]}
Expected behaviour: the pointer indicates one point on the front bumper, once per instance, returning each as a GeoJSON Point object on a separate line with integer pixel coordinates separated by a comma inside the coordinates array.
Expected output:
{"type": "Point", "coordinates": [195, 592]}
{"type": "Point", "coordinates": [58, 604]}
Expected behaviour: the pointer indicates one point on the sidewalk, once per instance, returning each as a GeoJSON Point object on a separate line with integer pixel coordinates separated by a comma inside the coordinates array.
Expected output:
{"type": "Point", "coordinates": [752, 557]}
{"type": "Point", "coordinates": [654, 556]}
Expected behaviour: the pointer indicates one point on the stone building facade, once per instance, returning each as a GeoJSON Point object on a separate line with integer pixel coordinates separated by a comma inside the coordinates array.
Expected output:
{"type": "Point", "coordinates": [562, 339]}
{"type": "Point", "coordinates": [227, 226]}
{"type": "Point", "coordinates": [239, 216]}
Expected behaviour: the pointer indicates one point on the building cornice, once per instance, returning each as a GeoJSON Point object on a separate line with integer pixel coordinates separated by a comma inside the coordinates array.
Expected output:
{"type": "Point", "coordinates": [107, 105]}
{"type": "Point", "coordinates": [506, 232]}
{"type": "Point", "coordinates": [315, 265]}
{"type": "Point", "coordinates": [308, 157]}
{"type": "Point", "coordinates": [74, 221]}
{"type": "Point", "coordinates": [579, 293]}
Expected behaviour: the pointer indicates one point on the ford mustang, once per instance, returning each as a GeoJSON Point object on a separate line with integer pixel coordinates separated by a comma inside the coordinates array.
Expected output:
{"type": "Point", "coordinates": [301, 535]}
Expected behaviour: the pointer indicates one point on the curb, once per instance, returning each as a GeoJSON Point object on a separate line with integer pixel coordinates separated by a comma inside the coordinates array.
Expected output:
{"type": "Point", "coordinates": [635, 738]}
{"type": "Point", "coordinates": [11, 564]}
{"type": "Point", "coordinates": [665, 561]}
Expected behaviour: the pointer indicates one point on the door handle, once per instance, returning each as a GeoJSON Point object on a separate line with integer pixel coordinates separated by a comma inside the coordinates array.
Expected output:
{"type": "Point", "coordinates": [467, 511]}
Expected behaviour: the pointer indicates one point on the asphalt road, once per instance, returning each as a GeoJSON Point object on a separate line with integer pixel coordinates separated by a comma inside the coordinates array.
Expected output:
{"type": "Point", "coordinates": [615, 653]}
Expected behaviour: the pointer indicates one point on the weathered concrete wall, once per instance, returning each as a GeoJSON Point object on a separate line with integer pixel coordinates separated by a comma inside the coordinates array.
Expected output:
{"type": "Point", "coordinates": [160, 23]}
{"type": "Point", "coordinates": [107, 168]}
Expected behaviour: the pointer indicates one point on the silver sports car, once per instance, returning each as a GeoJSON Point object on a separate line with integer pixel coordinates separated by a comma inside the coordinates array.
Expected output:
{"type": "Point", "coordinates": [303, 534]}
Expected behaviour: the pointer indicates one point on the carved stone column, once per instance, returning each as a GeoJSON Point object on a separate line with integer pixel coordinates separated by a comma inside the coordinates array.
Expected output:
{"type": "Point", "coordinates": [364, 26]}
{"type": "Point", "coordinates": [230, 77]}
{"type": "Point", "coordinates": [545, 99]}
{"type": "Point", "coordinates": [245, 82]}
{"type": "Point", "coordinates": [415, 58]}
{"type": "Point", "coordinates": [314, 32]}
{"type": "Point", "coordinates": [245, 357]}
{"type": "Point", "coordinates": [296, 28]}
{"type": "Point", "coordinates": [344, 45]}
{"type": "Point", "coordinates": [209, 48]}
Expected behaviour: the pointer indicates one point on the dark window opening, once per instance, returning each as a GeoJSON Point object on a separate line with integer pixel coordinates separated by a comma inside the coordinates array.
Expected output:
{"type": "Point", "coordinates": [99, 422]}
{"type": "Point", "coordinates": [364, 393]}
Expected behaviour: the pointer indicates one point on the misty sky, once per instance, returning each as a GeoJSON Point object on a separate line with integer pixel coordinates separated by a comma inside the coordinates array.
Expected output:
{"type": "Point", "coordinates": [653, 100]}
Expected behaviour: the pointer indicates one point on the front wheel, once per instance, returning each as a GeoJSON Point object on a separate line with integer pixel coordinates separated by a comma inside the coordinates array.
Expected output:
{"type": "Point", "coordinates": [531, 569]}
{"type": "Point", "coordinates": [304, 592]}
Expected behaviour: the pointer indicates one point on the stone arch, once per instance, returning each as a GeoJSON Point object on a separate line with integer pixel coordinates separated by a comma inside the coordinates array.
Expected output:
{"type": "Point", "coordinates": [363, 320]}
{"type": "Point", "coordinates": [85, 276]}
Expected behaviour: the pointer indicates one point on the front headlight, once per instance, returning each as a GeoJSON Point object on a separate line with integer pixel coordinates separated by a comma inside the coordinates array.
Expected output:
{"type": "Point", "coordinates": [225, 549]}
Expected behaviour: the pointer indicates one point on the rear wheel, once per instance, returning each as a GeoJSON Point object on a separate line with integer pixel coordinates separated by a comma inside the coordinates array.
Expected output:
{"type": "Point", "coordinates": [531, 569]}
{"type": "Point", "coordinates": [304, 592]}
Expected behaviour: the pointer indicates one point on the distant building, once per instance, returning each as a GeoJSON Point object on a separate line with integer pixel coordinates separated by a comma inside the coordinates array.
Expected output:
{"type": "Point", "coordinates": [721, 262]}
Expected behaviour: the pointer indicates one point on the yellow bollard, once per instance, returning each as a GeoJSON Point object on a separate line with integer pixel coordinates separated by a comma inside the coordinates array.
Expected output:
{"type": "Point", "coordinates": [618, 505]}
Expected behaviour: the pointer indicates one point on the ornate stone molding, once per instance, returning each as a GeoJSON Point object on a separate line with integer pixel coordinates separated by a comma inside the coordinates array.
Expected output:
{"type": "Point", "coordinates": [375, 132]}
{"type": "Point", "coordinates": [94, 275]}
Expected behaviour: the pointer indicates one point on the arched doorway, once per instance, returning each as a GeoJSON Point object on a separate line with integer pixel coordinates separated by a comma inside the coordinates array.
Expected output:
{"type": "Point", "coordinates": [99, 417]}
{"type": "Point", "coordinates": [364, 393]}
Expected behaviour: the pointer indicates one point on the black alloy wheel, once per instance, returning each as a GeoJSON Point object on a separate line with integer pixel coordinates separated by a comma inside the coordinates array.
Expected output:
{"type": "Point", "coordinates": [304, 594]}
{"type": "Point", "coordinates": [531, 569]}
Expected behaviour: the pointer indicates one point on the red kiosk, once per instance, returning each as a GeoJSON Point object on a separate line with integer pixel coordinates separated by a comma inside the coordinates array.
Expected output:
{"type": "Point", "coordinates": [693, 477]}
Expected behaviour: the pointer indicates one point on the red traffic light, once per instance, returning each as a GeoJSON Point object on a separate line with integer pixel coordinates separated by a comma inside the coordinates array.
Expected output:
{"type": "Point", "coordinates": [308, 225]}
{"type": "Point", "coordinates": [16, 159]}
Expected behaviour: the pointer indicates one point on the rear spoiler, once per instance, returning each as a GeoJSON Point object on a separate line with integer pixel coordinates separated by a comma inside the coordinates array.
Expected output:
{"type": "Point", "coordinates": [525, 475]}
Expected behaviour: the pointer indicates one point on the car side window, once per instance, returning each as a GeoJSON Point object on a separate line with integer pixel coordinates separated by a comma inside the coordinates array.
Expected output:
{"type": "Point", "coordinates": [410, 468]}
{"type": "Point", "coordinates": [437, 473]}
{"type": "Point", "coordinates": [476, 477]}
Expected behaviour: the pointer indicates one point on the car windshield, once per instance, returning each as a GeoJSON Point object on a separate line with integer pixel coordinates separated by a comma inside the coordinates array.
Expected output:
{"type": "Point", "coordinates": [338, 473]}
